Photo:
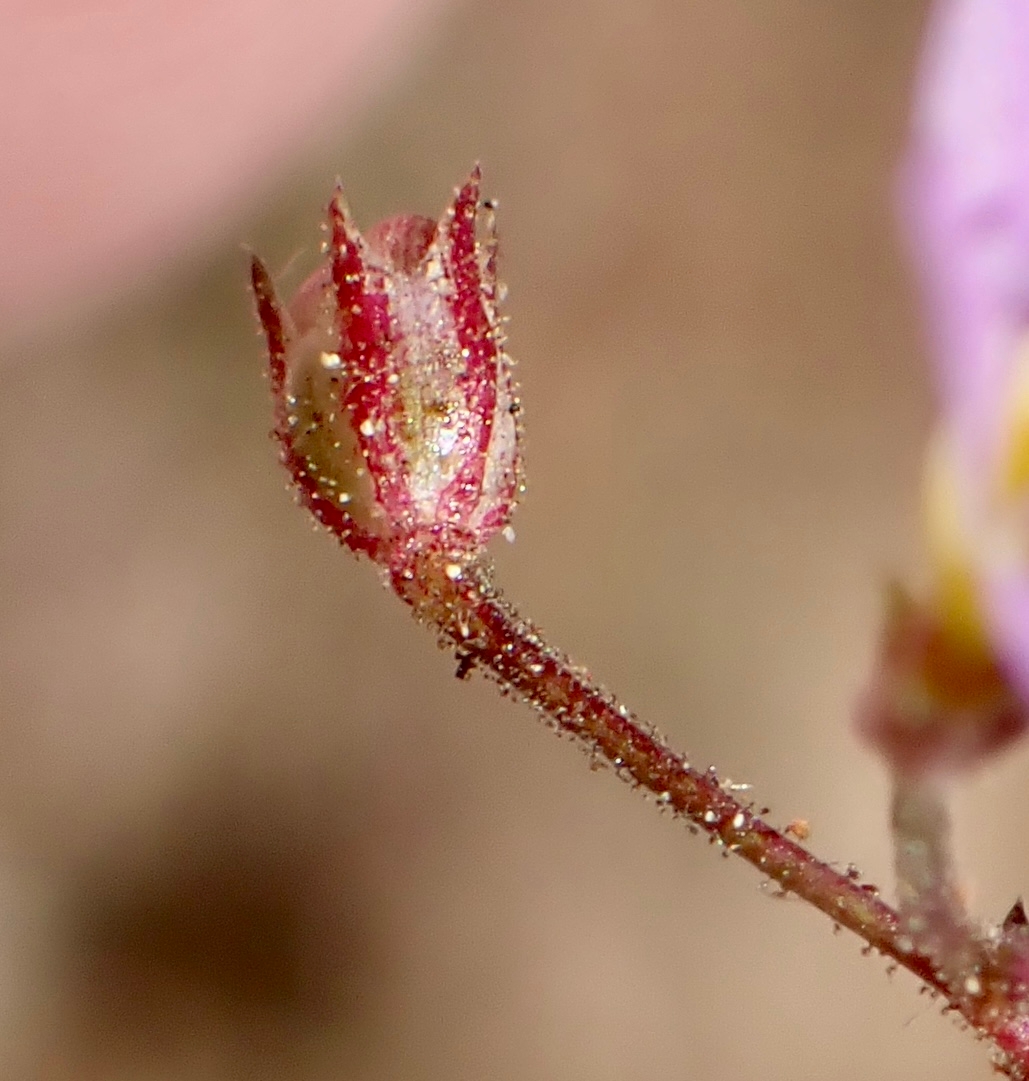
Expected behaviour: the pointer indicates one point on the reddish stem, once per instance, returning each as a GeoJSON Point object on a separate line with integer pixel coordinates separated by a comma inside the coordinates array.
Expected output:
{"type": "Point", "coordinates": [456, 596]}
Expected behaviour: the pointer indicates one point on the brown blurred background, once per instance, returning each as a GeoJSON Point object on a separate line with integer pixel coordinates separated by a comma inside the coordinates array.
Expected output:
{"type": "Point", "coordinates": [253, 827]}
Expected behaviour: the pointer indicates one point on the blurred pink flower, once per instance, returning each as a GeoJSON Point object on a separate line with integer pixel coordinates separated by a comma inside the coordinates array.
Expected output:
{"type": "Point", "coordinates": [129, 129]}
{"type": "Point", "coordinates": [966, 203]}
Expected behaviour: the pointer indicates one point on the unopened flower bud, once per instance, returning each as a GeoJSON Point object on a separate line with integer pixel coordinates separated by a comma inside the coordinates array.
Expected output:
{"type": "Point", "coordinates": [395, 406]}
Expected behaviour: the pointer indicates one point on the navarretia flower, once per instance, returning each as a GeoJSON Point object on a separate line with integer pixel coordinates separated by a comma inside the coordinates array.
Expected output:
{"type": "Point", "coordinates": [396, 412]}
{"type": "Point", "coordinates": [964, 655]}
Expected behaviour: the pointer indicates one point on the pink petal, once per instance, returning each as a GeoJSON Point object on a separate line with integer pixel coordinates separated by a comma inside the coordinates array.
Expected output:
{"type": "Point", "coordinates": [966, 200]}
{"type": "Point", "coordinates": [129, 130]}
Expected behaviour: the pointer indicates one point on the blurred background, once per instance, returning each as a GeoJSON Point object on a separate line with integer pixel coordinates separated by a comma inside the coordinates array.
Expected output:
{"type": "Point", "coordinates": [250, 824]}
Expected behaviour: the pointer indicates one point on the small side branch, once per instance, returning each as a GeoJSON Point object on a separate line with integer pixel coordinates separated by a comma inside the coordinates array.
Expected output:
{"type": "Point", "coordinates": [931, 910]}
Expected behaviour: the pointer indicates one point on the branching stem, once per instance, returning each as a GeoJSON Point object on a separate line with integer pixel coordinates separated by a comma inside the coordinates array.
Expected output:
{"type": "Point", "coordinates": [457, 597]}
{"type": "Point", "coordinates": [487, 633]}
{"type": "Point", "coordinates": [931, 910]}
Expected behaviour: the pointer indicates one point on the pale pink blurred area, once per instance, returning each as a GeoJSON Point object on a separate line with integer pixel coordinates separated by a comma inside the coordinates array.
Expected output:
{"type": "Point", "coordinates": [251, 826]}
{"type": "Point", "coordinates": [134, 132]}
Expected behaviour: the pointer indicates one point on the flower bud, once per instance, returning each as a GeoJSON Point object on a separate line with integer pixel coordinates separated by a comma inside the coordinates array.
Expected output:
{"type": "Point", "coordinates": [396, 411]}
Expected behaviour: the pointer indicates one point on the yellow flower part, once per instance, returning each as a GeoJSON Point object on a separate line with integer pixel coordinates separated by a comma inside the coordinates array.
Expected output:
{"type": "Point", "coordinates": [1014, 481]}
{"type": "Point", "coordinates": [966, 660]}
{"type": "Point", "coordinates": [950, 550]}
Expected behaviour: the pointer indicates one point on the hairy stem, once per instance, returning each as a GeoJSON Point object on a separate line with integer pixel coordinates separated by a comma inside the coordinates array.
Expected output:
{"type": "Point", "coordinates": [456, 596]}
{"type": "Point", "coordinates": [472, 617]}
